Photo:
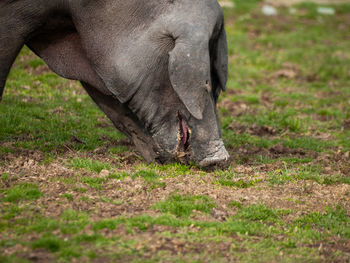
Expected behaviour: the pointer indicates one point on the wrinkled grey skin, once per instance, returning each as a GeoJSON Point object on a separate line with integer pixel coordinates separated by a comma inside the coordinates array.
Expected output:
{"type": "Point", "coordinates": [149, 65]}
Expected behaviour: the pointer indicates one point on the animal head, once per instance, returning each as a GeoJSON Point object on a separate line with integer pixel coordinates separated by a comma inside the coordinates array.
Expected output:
{"type": "Point", "coordinates": [159, 64]}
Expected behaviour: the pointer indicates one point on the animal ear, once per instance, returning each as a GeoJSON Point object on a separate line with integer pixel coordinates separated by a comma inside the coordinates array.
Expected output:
{"type": "Point", "coordinates": [189, 71]}
{"type": "Point", "coordinates": [62, 51]}
{"type": "Point", "coordinates": [219, 64]}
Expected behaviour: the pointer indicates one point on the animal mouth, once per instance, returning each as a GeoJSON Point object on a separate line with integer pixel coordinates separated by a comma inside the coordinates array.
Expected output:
{"type": "Point", "coordinates": [184, 135]}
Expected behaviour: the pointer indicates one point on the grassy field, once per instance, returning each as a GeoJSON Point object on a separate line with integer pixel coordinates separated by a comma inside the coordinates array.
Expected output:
{"type": "Point", "coordinates": [72, 188]}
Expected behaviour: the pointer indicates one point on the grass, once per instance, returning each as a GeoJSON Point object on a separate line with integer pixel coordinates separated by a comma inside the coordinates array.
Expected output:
{"type": "Point", "coordinates": [284, 197]}
{"type": "Point", "coordinates": [227, 178]}
{"type": "Point", "coordinates": [285, 175]}
{"type": "Point", "coordinates": [94, 182]}
{"type": "Point", "coordinates": [49, 242]}
{"type": "Point", "coordinates": [334, 220]}
{"type": "Point", "coordinates": [89, 165]}
{"type": "Point", "coordinates": [183, 206]}
{"type": "Point", "coordinates": [22, 192]}
{"type": "Point", "coordinates": [68, 196]}
{"type": "Point", "coordinates": [243, 225]}
{"type": "Point", "coordinates": [259, 212]}
{"type": "Point", "coordinates": [248, 222]}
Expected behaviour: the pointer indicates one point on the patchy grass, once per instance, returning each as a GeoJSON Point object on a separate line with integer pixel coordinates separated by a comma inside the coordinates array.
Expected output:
{"type": "Point", "coordinates": [94, 182]}
{"type": "Point", "coordinates": [72, 188]}
{"type": "Point", "coordinates": [22, 192]}
{"type": "Point", "coordinates": [282, 176]}
{"type": "Point", "coordinates": [183, 206]}
{"type": "Point", "coordinates": [227, 178]}
{"type": "Point", "coordinates": [89, 165]}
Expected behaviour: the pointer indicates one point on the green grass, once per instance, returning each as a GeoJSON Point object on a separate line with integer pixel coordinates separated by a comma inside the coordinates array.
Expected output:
{"type": "Point", "coordinates": [152, 179]}
{"type": "Point", "coordinates": [118, 176]}
{"type": "Point", "coordinates": [4, 176]}
{"type": "Point", "coordinates": [227, 178]}
{"type": "Point", "coordinates": [48, 242]}
{"type": "Point", "coordinates": [249, 222]}
{"type": "Point", "coordinates": [73, 222]}
{"type": "Point", "coordinates": [149, 175]}
{"type": "Point", "coordinates": [89, 165]}
{"type": "Point", "coordinates": [94, 182]}
{"type": "Point", "coordinates": [282, 176]}
{"type": "Point", "coordinates": [13, 259]}
{"type": "Point", "coordinates": [235, 204]}
{"type": "Point", "coordinates": [183, 205]}
{"type": "Point", "coordinates": [283, 118]}
{"type": "Point", "coordinates": [22, 192]}
{"type": "Point", "coordinates": [335, 220]}
{"type": "Point", "coordinates": [239, 183]}
{"type": "Point", "coordinates": [68, 196]}
{"type": "Point", "coordinates": [259, 213]}
{"type": "Point", "coordinates": [29, 100]}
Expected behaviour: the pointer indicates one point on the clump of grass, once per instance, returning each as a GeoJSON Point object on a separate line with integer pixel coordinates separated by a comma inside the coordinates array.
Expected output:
{"type": "Point", "coordinates": [4, 150]}
{"type": "Point", "coordinates": [118, 149]}
{"type": "Point", "coordinates": [112, 201]}
{"type": "Point", "coordinates": [229, 179]}
{"type": "Point", "coordinates": [282, 176]}
{"type": "Point", "coordinates": [49, 242]}
{"type": "Point", "coordinates": [13, 258]}
{"type": "Point", "coordinates": [72, 222]}
{"type": "Point", "coordinates": [89, 165]}
{"type": "Point", "coordinates": [107, 224]}
{"type": "Point", "coordinates": [257, 212]}
{"type": "Point", "coordinates": [151, 177]}
{"type": "Point", "coordinates": [65, 250]}
{"type": "Point", "coordinates": [148, 175]}
{"type": "Point", "coordinates": [9, 212]}
{"type": "Point", "coordinates": [21, 192]}
{"type": "Point", "coordinates": [68, 196]}
{"type": "Point", "coordinates": [94, 182]}
{"type": "Point", "coordinates": [118, 176]}
{"type": "Point", "coordinates": [43, 224]}
{"type": "Point", "coordinates": [183, 206]}
{"type": "Point", "coordinates": [334, 220]}
{"type": "Point", "coordinates": [235, 204]}
{"type": "Point", "coordinates": [239, 183]}
{"type": "Point", "coordinates": [4, 176]}
{"type": "Point", "coordinates": [34, 63]}
{"type": "Point", "coordinates": [81, 189]}
{"type": "Point", "coordinates": [174, 169]}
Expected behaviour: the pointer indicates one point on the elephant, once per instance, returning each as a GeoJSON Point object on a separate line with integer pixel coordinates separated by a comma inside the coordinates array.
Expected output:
{"type": "Point", "coordinates": [155, 67]}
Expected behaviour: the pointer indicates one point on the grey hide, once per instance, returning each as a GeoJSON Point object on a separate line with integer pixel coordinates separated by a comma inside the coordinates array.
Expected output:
{"type": "Point", "coordinates": [154, 67]}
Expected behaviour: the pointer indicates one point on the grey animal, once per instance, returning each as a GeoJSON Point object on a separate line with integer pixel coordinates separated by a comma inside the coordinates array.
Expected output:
{"type": "Point", "coordinates": [154, 67]}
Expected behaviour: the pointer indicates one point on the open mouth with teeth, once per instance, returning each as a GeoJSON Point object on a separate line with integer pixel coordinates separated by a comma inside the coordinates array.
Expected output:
{"type": "Point", "coordinates": [183, 147]}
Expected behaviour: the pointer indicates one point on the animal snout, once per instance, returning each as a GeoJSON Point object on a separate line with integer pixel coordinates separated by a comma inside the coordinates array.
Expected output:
{"type": "Point", "coordinates": [217, 155]}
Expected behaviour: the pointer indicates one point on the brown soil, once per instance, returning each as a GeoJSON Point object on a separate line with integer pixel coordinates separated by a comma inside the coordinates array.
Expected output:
{"type": "Point", "coordinates": [137, 196]}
